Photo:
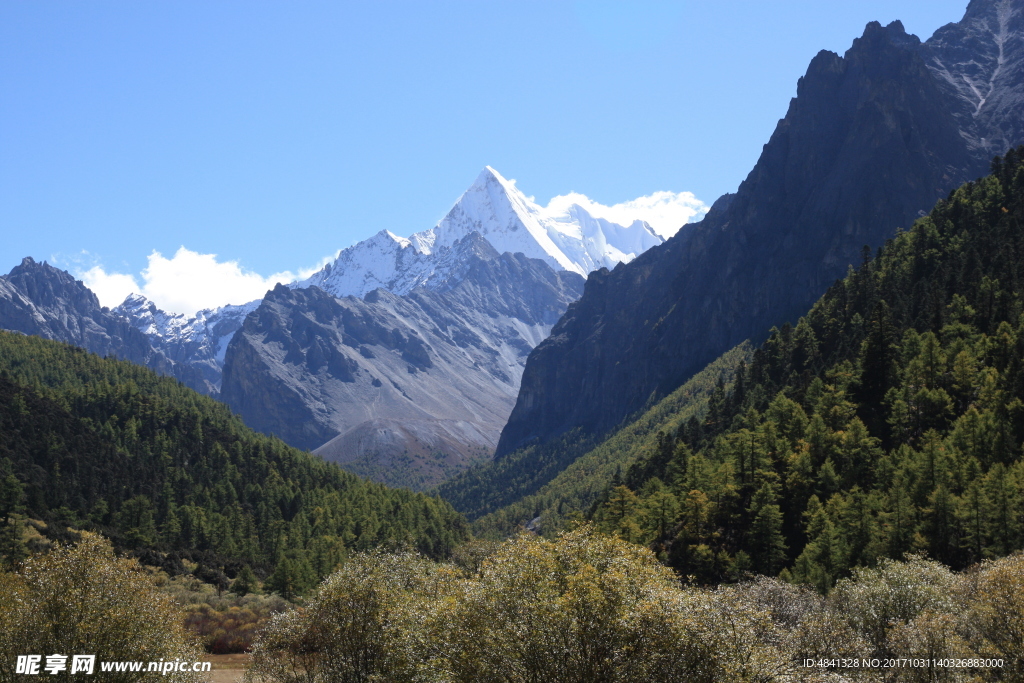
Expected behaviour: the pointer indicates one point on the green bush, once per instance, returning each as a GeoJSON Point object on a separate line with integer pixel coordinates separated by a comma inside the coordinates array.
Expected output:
{"type": "Point", "coordinates": [82, 599]}
{"type": "Point", "coordinates": [876, 600]}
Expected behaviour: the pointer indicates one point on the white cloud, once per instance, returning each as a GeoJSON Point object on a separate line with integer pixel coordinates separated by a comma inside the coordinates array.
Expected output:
{"type": "Point", "coordinates": [111, 288]}
{"type": "Point", "coordinates": [188, 282]}
{"type": "Point", "coordinates": [665, 212]}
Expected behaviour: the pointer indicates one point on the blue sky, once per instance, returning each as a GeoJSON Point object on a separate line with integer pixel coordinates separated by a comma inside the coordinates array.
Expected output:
{"type": "Point", "coordinates": [274, 134]}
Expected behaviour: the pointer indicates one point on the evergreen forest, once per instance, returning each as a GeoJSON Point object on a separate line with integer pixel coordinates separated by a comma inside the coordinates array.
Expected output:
{"type": "Point", "coordinates": [99, 444]}
{"type": "Point", "coordinates": [889, 420]}
{"type": "Point", "coordinates": [485, 495]}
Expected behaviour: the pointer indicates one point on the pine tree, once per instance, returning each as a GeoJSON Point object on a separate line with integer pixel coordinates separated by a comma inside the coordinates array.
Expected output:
{"type": "Point", "coordinates": [12, 495]}
{"type": "Point", "coordinates": [284, 580]}
{"type": "Point", "coordinates": [245, 582]}
{"type": "Point", "coordinates": [767, 544]}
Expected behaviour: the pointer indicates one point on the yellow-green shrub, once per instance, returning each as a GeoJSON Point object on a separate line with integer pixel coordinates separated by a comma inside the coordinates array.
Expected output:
{"type": "Point", "coordinates": [81, 599]}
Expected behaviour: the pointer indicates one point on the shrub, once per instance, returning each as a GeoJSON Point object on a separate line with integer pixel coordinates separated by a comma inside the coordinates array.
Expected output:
{"type": "Point", "coordinates": [995, 620]}
{"type": "Point", "coordinates": [584, 607]}
{"type": "Point", "coordinates": [349, 629]}
{"type": "Point", "coordinates": [82, 599]}
{"type": "Point", "coordinates": [874, 600]}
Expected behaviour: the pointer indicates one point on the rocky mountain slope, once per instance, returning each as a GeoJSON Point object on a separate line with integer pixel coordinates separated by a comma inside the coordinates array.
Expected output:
{"type": "Point", "coordinates": [566, 237]}
{"type": "Point", "coordinates": [871, 141]}
{"type": "Point", "coordinates": [38, 299]}
{"type": "Point", "coordinates": [406, 389]}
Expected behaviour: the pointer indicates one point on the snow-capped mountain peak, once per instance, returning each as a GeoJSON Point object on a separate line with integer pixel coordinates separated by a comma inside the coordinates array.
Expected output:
{"type": "Point", "coordinates": [510, 221]}
{"type": "Point", "coordinates": [565, 236]}
{"type": "Point", "coordinates": [384, 261]}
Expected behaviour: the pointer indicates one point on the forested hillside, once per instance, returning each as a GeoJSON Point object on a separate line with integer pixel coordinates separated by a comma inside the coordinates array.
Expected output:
{"type": "Point", "coordinates": [888, 420]}
{"type": "Point", "coordinates": [102, 444]}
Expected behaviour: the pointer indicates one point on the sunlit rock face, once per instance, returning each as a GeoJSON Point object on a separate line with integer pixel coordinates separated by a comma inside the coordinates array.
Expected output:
{"type": "Point", "coordinates": [408, 389]}
{"type": "Point", "coordinates": [979, 63]}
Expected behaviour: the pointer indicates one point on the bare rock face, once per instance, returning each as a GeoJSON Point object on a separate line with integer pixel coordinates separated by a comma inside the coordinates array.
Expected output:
{"type": "Point", "coordinates": [979, 63]}
{"type": "Point", "coordinates": [406, 389]}
{"type": "Point", "coordinates": [38, 299]}
{"type": "Point", "coordinates": [199, 340]}
{"type": "Point", "coordinates": [871, 142]}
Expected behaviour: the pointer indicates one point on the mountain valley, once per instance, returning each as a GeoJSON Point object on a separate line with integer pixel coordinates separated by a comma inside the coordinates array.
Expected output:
{"type": "Point", "coordinates": [567, 442]}
{"type": "Point", "coordinates": [405, 389]}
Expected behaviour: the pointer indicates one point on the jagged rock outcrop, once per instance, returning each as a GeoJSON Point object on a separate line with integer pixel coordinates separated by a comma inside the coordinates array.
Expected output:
{"type": "Point", "coordinates": [38, 299]}
{"type": "Point", "coordinates": [407, 389]}
{"type": "Point", "coordinates": [200, 340]}
{"type": "Point", "coordinates": [871, 141]}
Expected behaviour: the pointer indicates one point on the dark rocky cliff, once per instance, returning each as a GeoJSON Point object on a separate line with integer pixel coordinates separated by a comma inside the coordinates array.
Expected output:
{"type": "Point", "coordinates": [871, 141]}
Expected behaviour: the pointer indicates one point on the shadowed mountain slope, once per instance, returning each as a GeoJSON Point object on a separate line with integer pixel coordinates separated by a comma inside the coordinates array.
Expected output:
{"type": "Point", "coordinates": [38, 299]}
{"type": "Point", "coordinates": [871, 141]}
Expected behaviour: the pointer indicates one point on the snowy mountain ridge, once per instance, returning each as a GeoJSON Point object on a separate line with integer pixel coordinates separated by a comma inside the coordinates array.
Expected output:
{"type": "Point", "coordinates": [570, 239]}
{"type": "Point", "coordinates": [200, 340]}
{"type": "Point", "coordinates": [565, 236]}
{"type": "Point", "coordinates": [202, 328]}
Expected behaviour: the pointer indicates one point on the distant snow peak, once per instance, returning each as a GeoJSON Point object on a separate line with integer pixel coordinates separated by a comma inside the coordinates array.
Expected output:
{"type": "Point", "coordinates": [572, 233]}
{"type": "Point", "coordinates": [147, 318]}
{"type": "Point", "coordinates": [505, 217]}
{"type": "Point", "coordinates": [385, 238]}
{"type": "Point", "coordinates": [384, 261]}
{"type": "Point", "coordinates": [665, 212]}
{"type": "Point", "coordinates": [201, 338]}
